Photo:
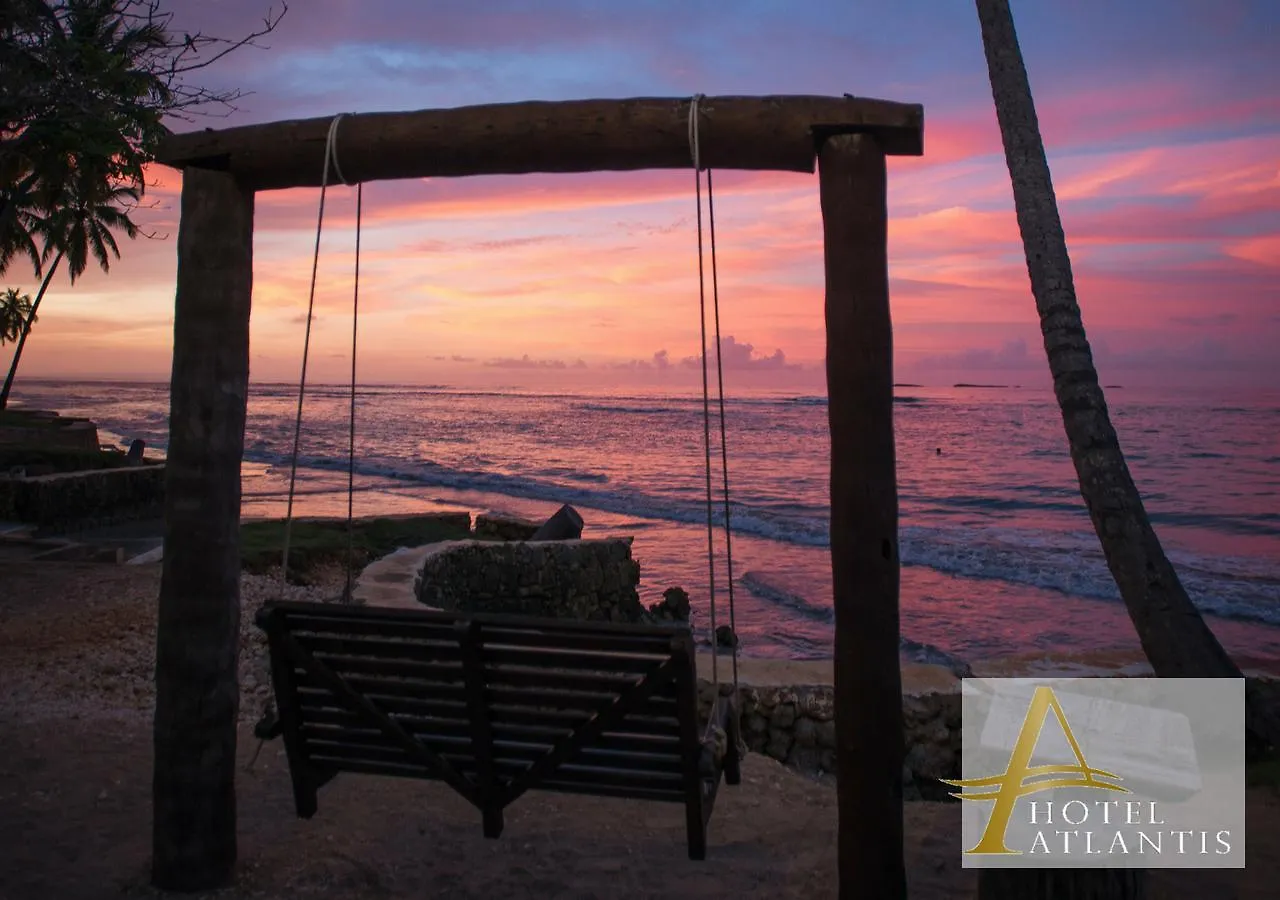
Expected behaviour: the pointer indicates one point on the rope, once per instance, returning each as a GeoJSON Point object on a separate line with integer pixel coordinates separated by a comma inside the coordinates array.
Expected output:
{"type": "Point", "coordinates": [330, 158]}
{"type": "Point", "coordinates": [724, 445]}
{"type": "Point", "coordinates": [706, 390]}
{"type": "Point", "coordinates": [695, 148]}
{"type": "Point", "coordinates": [351, 430]}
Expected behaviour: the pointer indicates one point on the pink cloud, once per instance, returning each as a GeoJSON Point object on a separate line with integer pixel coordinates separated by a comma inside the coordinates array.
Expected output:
{"type": "Point", "coordinates": [1263, 250]}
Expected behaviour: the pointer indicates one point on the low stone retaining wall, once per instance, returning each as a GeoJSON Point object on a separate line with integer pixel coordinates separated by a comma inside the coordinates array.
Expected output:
{"type": "Point", "coordinates": [585, 579]}
{"type": "Point", "coordinates": [795, 724]}
{"type": "Point", "coordinates": [83, 499]}
{"type": "Point", "coordinates": [41, 430]}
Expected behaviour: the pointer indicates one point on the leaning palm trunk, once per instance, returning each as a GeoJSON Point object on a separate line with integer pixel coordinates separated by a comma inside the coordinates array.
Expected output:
{"type": "Point", "coordinates": [26, 330]}
{"type": "Point", "coordinates": [1174, 636]}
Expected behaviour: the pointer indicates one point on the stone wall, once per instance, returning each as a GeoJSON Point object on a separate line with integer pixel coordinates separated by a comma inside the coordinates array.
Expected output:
{"type": "Point", "coordinates": [796, 726]}
{"type": "Point", "coordinates": [585, 579]}
{"type": "Point", "coordinates": [83, 499]}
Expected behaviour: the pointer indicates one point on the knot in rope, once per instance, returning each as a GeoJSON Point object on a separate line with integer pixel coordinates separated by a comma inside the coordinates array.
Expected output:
{"type": "Point", "coordinates": [331, 152]}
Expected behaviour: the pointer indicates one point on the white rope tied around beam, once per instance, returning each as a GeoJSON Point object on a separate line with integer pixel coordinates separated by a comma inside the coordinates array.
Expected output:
{"type": "Point", "coordinates": [331, 151]}
{"type": "Point", "coordinates": [695, 150]}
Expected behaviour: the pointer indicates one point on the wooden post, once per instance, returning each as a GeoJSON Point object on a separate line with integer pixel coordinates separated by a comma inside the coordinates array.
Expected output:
{"type": "Point", "coordinates": [864, 518]}
{"type": "Point", "coordinates": [197, 641]}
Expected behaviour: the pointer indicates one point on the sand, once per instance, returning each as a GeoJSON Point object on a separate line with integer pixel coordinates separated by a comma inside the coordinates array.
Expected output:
{"type": "Point", "coordinates": [76, 651]}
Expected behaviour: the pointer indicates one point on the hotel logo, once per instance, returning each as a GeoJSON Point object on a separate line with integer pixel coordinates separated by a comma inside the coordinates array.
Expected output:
{"type": "Point", "coordinates": [1102, 773]}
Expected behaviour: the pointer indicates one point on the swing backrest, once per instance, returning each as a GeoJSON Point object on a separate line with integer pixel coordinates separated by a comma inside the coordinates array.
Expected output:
{"type": "Point", "coordinates": [492, 704]}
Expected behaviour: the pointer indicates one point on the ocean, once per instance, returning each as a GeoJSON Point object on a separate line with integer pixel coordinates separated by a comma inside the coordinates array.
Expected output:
{"type": "Point", "coordinates": [999, 557]}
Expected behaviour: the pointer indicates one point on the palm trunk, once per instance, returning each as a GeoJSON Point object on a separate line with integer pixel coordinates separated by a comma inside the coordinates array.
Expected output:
{"type": "Point", "coordinates": [198, 633]}
{"type": "Point", "coordinates": [1062, 884]}
{"type": "Point", "coordinates": [1175, 638]}
{"type": "Point", "coordinates": [26, 330]}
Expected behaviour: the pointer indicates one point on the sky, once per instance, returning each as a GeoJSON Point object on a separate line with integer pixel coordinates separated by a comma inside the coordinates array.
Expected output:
{"type": "Point", "coordinates": [1161, 119]}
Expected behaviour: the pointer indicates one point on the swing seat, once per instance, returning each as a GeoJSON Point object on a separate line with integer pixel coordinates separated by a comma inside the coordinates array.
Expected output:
{"type": "Point", "coordinates": [496, 705]}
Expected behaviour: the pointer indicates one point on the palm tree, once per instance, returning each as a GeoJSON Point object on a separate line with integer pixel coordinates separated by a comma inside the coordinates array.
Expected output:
{"type": "Point", "coordinates": [1174, 636]}
{"type": "Point", "coordinates": [18, 215]}
{"type": "Point", "coordinates": [79, 226]}
{"type": "Point", "coordinates": [15, 309]}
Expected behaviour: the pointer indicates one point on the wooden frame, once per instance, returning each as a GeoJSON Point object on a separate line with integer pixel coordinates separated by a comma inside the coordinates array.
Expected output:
{"type": "Point", "coordinates": [847, 138]}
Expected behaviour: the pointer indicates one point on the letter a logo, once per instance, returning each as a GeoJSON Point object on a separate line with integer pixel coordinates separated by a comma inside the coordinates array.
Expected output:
{"type": "Point", "coordinates": [1021, 778]}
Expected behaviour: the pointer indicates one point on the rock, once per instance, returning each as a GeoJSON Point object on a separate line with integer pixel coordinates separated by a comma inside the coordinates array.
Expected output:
{"type": "Point", "coordinates": [564, 525]}
{"type": "Point", "coordinates": [725, 637]}
{"type": "Point", "coordinates": [806, 733]}
{"type": "Point", "coordinates": [673, 607]}
{"type": "Point", "coordinates": [827, 734]}
{"type": "Point", "coordinates": [784, 716]}
{"type": "Point", "coordinates": [134, 456]}
{"type": "Point", "coordinates": [779, 745]}
{"type": "Point", "coordinates": [817, 703]}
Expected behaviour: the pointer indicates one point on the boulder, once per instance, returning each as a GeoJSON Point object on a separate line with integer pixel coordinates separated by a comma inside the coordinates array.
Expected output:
{"type": "Point", "coordinates": [565, 525]}
{"type": "Point", "coordinates": [673, 607]}
{"type": "Point", "coordinates": [134, 456]}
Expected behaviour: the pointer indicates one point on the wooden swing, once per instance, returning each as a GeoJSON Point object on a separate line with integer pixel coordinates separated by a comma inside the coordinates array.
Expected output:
{"type": "Point", "coordinates": [496, 705]}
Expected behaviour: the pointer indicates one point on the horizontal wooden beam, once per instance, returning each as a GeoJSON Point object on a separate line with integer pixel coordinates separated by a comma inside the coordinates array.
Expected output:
{"type": "Point", "coordinates": [780, 133]}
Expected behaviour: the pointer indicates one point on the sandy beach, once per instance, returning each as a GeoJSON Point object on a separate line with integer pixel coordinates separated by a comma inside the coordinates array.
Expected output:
{"type": "Point", "coordinates": [76, 640]}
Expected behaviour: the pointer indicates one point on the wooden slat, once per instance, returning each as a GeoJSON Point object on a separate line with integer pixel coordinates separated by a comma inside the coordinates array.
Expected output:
{"type": "Point", "coordinates": [423, 672]}
{"type": "Point", "coordinates": [559, 658]}
{"type": "Point", "coordinates": [641, 721]}
{"type": "Point", "coordinates": [349, 625]}
{"type": "Point", "coordinates": [664, 724]}
{"type": "Point", "coordinates": [442, 652]}
{"type": "Point", "coordinates": [543, 679]}
{"type": "Point", "coordinates": [324, 721]}
{"type": "Point", "coordinates": [507, 768]}
{"type": "Point", "coordinates": [305, 615]}
{"type": "Point", "coordinates": [399, 699]}
{"type": "Point", "coordinates": [514, 694]}
{"type": "Point", "coordinates": [432, 673]}
{"type": "Point", "coordinates": [517, 696]}
{"type": "Point", "coordinates": [598, 790]}
{"type": "Point", "coordinates": [524, 750]}
{"type": "Point", "coordinates": [651, 643]}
